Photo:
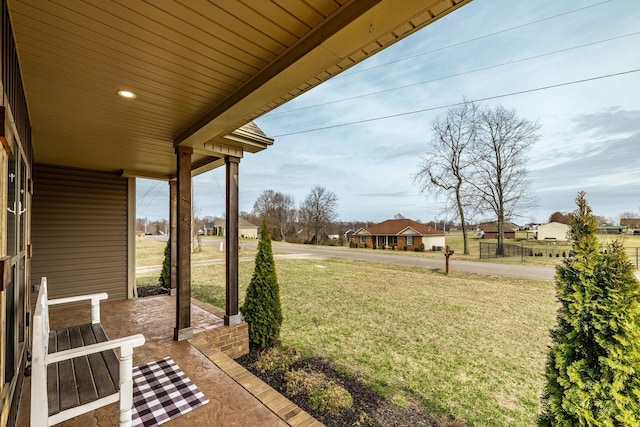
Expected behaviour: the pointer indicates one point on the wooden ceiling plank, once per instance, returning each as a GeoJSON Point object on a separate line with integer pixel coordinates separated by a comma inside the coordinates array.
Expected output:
{"type": "Point", "coordinates": [88, 156]}
{"type": "Point", "coordinates": [167, 27]}
{"type": "Point", "coordinates": [60, 67]}
{"type": "Point", "coordinates": [252, 19]}
{"type": "Point", "coordinates": [129, 73]}
{"type": "Point", "coordinates": [211, 31]}
{"type": "Point", "coordinates": [125, 47]}
{"type": "Point", "coordinates": [130, 35]}
{"type": "Point", "coordinates": [78, 100]}
{"type": "Point", "coordinates": [323, 7]}
{"type": "Point", "coordinates": [282, 16]}
{"type": "Point", "coordinates": [303, 12]}
{"type": "Point", "coordinates": [231, 28]}
{"type": "Point", "coordinates": [52, 27]}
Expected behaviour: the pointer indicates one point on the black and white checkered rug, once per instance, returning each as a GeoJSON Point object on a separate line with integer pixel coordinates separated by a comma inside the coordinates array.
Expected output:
{"type": "Point", "coordinates": [162, 392]}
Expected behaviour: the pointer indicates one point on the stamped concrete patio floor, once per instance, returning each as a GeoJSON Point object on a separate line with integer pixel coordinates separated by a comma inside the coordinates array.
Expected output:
{"type": "Point", "coordinates": [235, 397]}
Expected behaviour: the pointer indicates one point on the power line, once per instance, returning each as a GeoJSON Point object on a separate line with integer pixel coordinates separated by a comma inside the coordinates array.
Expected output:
{"type": "Point", "coordinates": [140, 200]}
{"type": "Point", "coordinates": [460, 103]}
{"type": "Point", "coordinates": [489, 67]}
{"type": "Point", "coordinates": [347, 74]}
{"type": "Point", "coordinates": [155, 184]}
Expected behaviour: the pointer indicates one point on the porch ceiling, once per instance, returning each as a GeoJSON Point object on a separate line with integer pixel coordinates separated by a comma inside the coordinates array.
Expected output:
{"type": "Point", "coordinates": [201, 71]}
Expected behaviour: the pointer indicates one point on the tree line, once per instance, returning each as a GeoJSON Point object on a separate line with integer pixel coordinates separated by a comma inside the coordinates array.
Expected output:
{"type": "Point", "coordinates": [308, 223]}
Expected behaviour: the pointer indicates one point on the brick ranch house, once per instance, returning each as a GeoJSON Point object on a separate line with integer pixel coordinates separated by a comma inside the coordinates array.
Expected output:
{"type": "Point", "coordinates": [399, 234]}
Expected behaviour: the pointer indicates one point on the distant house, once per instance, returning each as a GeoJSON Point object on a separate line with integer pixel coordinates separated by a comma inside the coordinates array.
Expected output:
{"type": "Point", "coordinates": [209, 229]}
{"type": "Point", "coordinates": [630, 223]}
{"type": "Point", "coordinates": [398, 234]}
{"type": "Point", "coordinates": [348, 235]}
{"type": "Point", "coordinates": [489, 230]}
{"type": "Point", "coordinates": [245, 228]}
{"type": "Point", "coordinates": [553, 231]}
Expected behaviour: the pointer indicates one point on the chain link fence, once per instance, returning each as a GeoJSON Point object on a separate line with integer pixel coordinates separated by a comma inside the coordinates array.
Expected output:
{"type": "Point", "coordinates": [490, 250]}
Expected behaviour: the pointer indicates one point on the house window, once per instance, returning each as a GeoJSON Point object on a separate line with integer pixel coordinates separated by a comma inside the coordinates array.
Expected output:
{"type": "Point", "coordinates": [363, 239]}
{"type": "Point", "coordinates": [409, 240]}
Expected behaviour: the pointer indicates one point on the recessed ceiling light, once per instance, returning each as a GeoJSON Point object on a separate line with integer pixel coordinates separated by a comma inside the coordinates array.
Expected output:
{"type": "Point", "coordinates": [126, 94]}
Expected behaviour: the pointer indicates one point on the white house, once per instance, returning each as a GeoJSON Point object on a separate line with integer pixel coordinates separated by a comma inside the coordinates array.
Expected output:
{"type": "Point", "coordinates": [553, 231]}
{"type": "Point", "coordinates": [245, 228]}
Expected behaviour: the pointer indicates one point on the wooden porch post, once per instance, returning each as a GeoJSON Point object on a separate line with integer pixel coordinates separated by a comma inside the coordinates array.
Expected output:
{"type": "Point", "coordinates": [232, 312]}
{"type": "Point", "coordinates": [183, 329]}
{"type": "Point", "coordinates": [173, 225]}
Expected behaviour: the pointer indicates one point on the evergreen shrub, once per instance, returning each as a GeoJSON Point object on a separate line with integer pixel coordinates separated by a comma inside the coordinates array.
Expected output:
{"type": "Point", "coordinates": [165, 274]}
{"type": "Point", "coordinates": [261, 308]}
{"type": "Point", "coordinates": [593, 369]}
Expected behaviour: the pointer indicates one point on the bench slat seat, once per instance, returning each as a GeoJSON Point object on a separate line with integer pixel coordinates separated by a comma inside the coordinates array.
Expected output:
{"type": "Point", "coordinates": [83, 379]}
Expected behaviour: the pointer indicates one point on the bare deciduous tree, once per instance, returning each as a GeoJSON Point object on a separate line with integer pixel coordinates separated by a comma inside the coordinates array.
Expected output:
{"type": "Point", "coordinates": [197, 227]}
{"type": "Point", "coordinates": [286, 214]}
{"type": "Point", "coordinates": [318, 210]}
{"type": "Point", "coordinates": [278, 209]}
{"type": "Point", "coordinates": [499, 181]}
{"type": "Point", "coordinates": [447, 165]}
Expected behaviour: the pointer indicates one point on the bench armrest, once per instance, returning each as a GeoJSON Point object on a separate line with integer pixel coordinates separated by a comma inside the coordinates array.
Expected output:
{"type": "Point", "coordinates": [132, 341]}
{"type": "Point", "coordinates": [95, 303]}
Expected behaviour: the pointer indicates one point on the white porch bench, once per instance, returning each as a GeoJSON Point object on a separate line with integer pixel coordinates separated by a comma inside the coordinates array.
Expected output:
{"type": "Point", "coordinates": [75, 370]}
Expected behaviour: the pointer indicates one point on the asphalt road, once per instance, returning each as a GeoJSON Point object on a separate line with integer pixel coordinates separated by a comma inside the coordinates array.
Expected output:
{"type": "Point", "coordinates": [398, 258]}
{"type": "Point", "coordinates": [289, 250]}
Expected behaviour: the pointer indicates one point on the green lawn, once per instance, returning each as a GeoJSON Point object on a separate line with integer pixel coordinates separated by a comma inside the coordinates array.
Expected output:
{"type": "Point", "coordinates": [466, 345]}
{"type": "Point", "coordinates": [150, 251]}
{"type": "Point", "coordinates": [469, 346]}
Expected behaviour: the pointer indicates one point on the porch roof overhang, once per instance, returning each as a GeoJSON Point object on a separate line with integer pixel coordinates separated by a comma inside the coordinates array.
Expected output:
{"type": "Point", "coordinates": [201, 71]}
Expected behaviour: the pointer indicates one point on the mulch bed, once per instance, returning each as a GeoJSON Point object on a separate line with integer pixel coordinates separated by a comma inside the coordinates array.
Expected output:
{"type": "Point", "coordinates": [151, 290]}
{"type": "Point", "coordinates": [379, 411]}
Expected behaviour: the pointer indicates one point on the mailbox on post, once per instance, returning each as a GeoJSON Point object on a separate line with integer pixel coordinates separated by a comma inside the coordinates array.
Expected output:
{"type": "Point", "coordinates": [448, 251]}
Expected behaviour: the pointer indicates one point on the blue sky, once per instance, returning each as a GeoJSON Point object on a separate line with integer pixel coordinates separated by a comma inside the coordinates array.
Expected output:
{"type": "Point", "coordinates": [524, 55]}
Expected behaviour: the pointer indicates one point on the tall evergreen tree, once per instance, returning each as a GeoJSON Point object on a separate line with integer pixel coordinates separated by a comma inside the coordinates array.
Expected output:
{"type": "Point", "coordinates": [593, 370]}
{"type": "Point", "coordinates": [261, 308]}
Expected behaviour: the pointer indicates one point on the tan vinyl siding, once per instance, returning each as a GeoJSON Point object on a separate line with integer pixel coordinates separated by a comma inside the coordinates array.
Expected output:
{"type": "Point", "coordinates": [79, 231]}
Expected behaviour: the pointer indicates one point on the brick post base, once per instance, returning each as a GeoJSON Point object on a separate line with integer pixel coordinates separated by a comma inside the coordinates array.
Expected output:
{"type": "Point", "coordinates": [230, 340]}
